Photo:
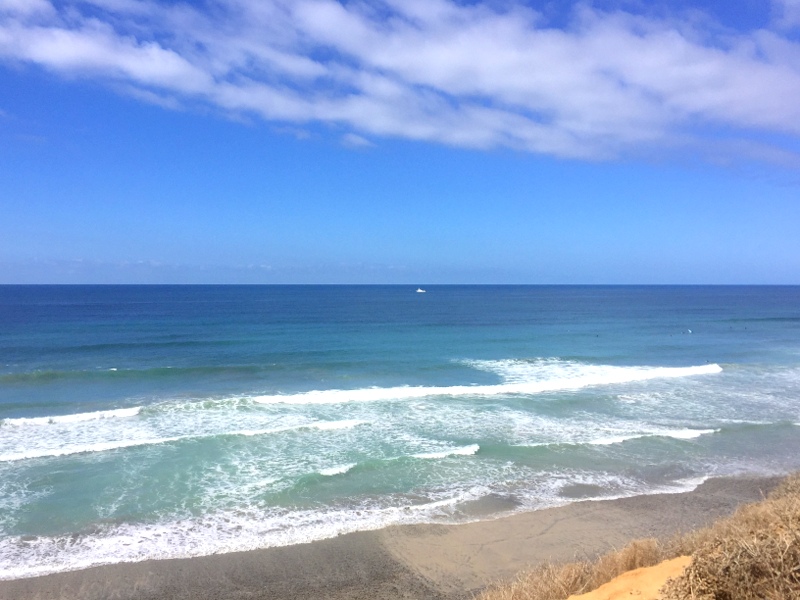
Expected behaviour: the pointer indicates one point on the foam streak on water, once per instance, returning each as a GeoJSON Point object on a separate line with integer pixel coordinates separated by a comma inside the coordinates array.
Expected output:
{"type": "Point", "coordinates": [63, 441]}
{"type": "Point", "coordinates": [563, 376]}
{"type": "Point", "coordinates": [78, 418]}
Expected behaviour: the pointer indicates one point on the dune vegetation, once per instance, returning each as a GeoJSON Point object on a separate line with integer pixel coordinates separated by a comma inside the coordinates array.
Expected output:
{"type": "Point", "coordinates": [754, 554]}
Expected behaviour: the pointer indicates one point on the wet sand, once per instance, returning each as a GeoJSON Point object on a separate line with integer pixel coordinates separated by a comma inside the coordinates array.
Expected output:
{"type": "Point", "coordinates": [431, 562]}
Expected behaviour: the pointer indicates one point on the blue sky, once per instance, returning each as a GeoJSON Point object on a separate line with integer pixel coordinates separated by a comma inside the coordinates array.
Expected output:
{"type": "Point", "coordinates": [414, 141]}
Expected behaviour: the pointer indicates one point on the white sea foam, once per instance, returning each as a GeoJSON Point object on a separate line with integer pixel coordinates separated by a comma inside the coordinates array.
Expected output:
{"type": "Point", "coordinates": [224, 532]}
{"type": "Point", "coordinates": [587, 432]}
{"type": "Point", "coordinates": [549, 377]}
{"type": "Point", "coordinates": [76, 418]}
{"type": "Point", "coordinates": [320, 425]}
{"type": "Point", "coordinates": [687, 434]}
{"type": "Point", "coordinates": [245, 529]}
{"type": "Point", "coordinates": [52, 448]}
{"type": "Point", "coordinates": [334, 425]}
{"type": "Point", "coordinates": [337, 470]}
{"type": "Point", "coordinates": [557, 370]}
{"type": "Point", "coordinates": [679, 434]}
{"type": "Point", "coordinates": [97, 447]}
{"type": "Point", "coordinates": [616, 439]}
{"type": "Point", "coordinates": [464, 451]}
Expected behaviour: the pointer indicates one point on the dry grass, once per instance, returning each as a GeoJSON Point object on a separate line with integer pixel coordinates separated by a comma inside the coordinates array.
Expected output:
{"type": "Point", "coordinates": [557, 582]}
{"type": "Point", "coordinates": [755, 554]}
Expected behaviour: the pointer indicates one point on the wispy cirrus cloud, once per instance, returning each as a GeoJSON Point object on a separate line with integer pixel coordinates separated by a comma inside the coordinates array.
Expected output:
{"type": "Point", "coordinates": [605, 84]}
{"type": "Point", "coordinates": [352, 140]}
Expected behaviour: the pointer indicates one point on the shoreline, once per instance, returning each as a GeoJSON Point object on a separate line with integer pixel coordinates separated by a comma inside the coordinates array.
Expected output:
{"type": "Point", "coordinates": [430, 561]}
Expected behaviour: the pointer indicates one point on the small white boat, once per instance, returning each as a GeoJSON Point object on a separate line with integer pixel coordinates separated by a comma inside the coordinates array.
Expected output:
{"type": "Point", "coordinates": [420, 291]}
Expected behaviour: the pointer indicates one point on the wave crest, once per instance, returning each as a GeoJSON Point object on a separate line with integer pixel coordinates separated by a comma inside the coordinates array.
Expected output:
{"type": "Point", "coordinates": [547, 376]}
{"type": "Point", "coordinates": [119, 413]}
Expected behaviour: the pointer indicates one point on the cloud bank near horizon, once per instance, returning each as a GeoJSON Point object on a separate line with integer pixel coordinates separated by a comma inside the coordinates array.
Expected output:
{"type": "Point", "coordinates": [601, 85]}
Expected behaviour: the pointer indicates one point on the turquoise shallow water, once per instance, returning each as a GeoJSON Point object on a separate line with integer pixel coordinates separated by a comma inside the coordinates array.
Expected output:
{"type": "Point", "coordinates": [166, 421]}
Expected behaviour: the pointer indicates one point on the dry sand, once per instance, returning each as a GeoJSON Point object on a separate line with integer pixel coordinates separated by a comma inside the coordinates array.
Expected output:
{"type": "Point", "coordinates": [641, 584]}
{"type": "Point", "coordinates": [428, 562]}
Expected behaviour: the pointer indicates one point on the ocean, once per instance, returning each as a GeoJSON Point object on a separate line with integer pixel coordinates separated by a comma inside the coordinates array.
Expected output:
{"type": "Point", "coordinates": [141, 422]}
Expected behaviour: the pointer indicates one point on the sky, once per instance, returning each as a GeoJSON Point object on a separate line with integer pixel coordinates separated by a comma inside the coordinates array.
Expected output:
{"type": "Point", "coordinates": [400, 141]}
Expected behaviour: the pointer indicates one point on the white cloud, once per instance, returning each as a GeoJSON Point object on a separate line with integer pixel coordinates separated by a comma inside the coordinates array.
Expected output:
{"type": "Point", "coordinates": [26, 7]}
{"type": "Point", "coordinates": [97, 48]}
{"type": "Point", "coordinates": [787, 13]}
{"type": "Point", "coordinates": [478, 75]}
{"type": "Point", "coordinates": [351, 140]}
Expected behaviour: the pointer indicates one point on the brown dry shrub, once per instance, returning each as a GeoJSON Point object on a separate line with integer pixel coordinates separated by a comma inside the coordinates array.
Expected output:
{"type": "Point", "coordinates": [546, 582]}
{"type": "Point", "coordinates": [637, 554]}
{"type": "Point", "coordinates": [788, 488]}
{"type": "Point", "coordinates": [686, 544]}
{"type": "Point", "coordinates": [755, 554]}
{"type": "Point", "coordinates": [558, 582]}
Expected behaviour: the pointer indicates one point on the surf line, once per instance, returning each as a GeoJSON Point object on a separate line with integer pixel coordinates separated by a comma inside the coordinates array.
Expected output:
{"type": "Point", "coordinates": [608, 377]}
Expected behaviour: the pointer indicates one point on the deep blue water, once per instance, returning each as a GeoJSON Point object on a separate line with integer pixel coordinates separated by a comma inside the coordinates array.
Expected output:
{"type": "Point", "coordinates": [157, 421]}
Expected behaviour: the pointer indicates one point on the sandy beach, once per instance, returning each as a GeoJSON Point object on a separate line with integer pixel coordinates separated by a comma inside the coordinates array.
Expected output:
{"type": "Point", "coordinates": [408, 562]}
